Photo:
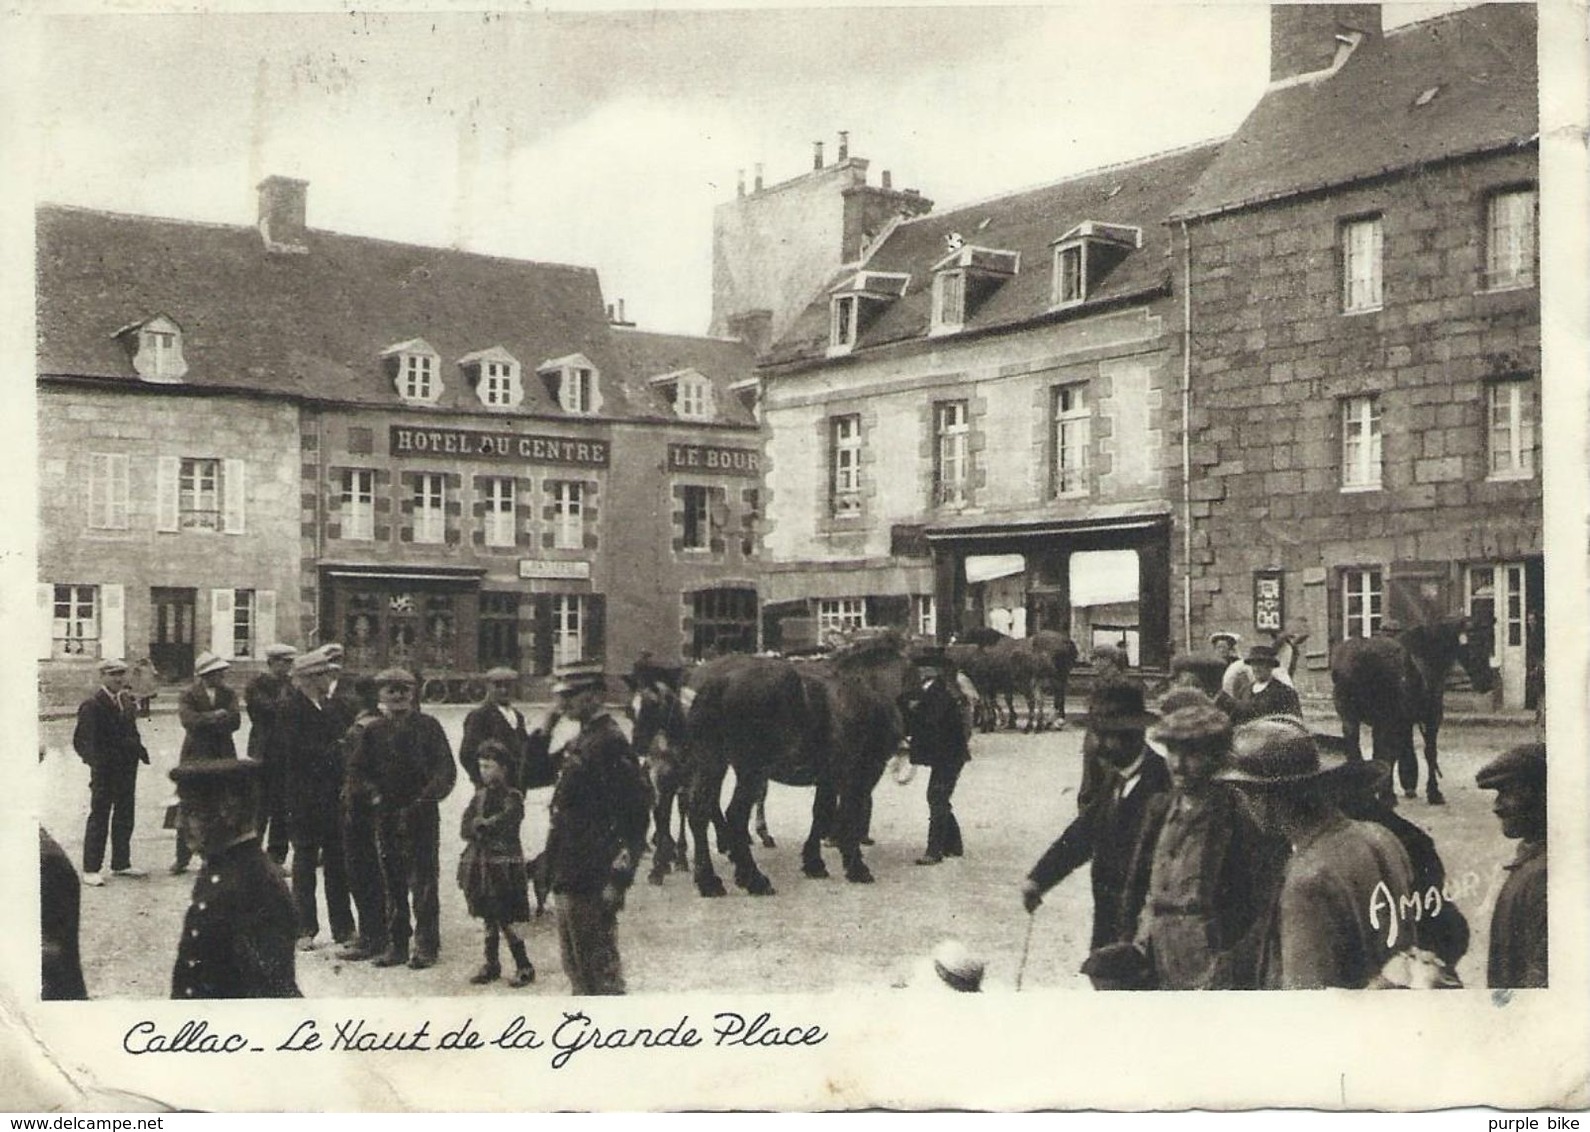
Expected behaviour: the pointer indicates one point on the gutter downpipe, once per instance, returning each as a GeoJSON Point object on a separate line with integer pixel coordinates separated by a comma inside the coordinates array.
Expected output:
{"type": "Point", "coordinates": [1186, 437]}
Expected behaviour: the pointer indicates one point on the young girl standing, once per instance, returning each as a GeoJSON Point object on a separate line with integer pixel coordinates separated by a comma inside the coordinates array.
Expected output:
{"type": "Point", "coordinates": [491, 871]}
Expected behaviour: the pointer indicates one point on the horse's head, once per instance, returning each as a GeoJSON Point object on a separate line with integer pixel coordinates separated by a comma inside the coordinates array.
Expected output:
{"type": "Point", "coordinates": [1473, 641]}
{"type": "Point", "coordinates": [881, 661]}
{"type": "Point", "coordinates": [658, 715]}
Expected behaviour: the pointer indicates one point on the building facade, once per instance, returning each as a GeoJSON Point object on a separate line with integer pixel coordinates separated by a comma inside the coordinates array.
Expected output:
{"type": "Point", "coordinates": [440, 459]}
{"type": "Point", "coordinates": [972, 424]}
{"type": "Point", "coordinates": [1365, 320]}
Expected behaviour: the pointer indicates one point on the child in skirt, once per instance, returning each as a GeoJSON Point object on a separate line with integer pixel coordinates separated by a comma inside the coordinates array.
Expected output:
{"type": "Point", "coordinates": [491, 871]}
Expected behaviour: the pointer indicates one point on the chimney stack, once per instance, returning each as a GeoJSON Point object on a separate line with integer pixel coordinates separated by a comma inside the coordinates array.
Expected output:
{"type": "Point", "coordinates": [621, 319]}
{"type": "Point", "coordinates": [758, 176]}
{"type": "Point", "coordinates": [739, 182]}
{"type": "Point", "coordinates": [844, 145]}
{"type": "Point", "coordinates": [1303, 37]}
{"type": "Point", "coordinates": [888, 179]}
{"type": "Point", "coordinates": [817, 155]}
{"type": "Point", "coordinates": [282, 209]}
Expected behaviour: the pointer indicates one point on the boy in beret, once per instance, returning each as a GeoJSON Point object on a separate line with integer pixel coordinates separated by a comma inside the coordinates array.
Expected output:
{"type": "Point", "coordinates": [1518, 926]}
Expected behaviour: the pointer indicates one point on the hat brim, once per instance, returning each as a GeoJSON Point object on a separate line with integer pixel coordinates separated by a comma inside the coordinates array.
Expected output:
{"type": "Point", "coordinates": [219, 666]}
{"type": "Point", "coordinates": [568, 688]}
{"type": "Point", "coordinates": [1128, 721]}
{"type": "Point", "coordinates": [1330, 763]}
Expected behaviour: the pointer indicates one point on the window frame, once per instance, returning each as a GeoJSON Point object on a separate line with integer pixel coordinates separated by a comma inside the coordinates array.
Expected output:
{"type": "Point", "coordinates": [693, 400]}
{"type": "Point", "coordinates": [1365, 473]}
{"type": "Point", "coordinates": [109, 491]}
{"type": "Point", "coordinates": [1352, 257]}
{"type": "Point", "coordinates": [428, 517]}
{"type": "Point", "coordinates": [844, 460]}
{"type": "Point", "coordinates": [568, 514]}
{"type": "Point", "coordinates": [570, 619]}
{"type": "Point", "coordinates": [499, 499]}
{"type": "Point", "coordinates": [843, 329]}
{"type": "Point", "coordinates": [497, 380]}
{"type": "Point", "coordinates": [358, 504]}
{"type": "Point", "coordinates": [696, 518]}
{"type": "Point", "coordinates": [579, 389]}
{"type": "Point", "coordinates": [1521, 428]}
{"type": "Point", "coordinates": [417, 381]}
{"type": "Point", "coordinates": [1075, 479]}
{"type": "Point", "coordinates": [87, 641]}
{"type": "Point", "coordinates": [191, 492]}
{"type": "Point", "coordinates": [952, 452]}
{"type": "Point", "coordinates": [245, 624]}
{"type": "Point", "coordinates": [949, 301]}
{"type": "Point", "coordinates": [1079, 250]}
{"type": "Point", "coordinates": [1368, 594]}
{"type": "Point", "coordinates": [1524, 270]}
{"type": "Point", "coordinates": [840, 615]}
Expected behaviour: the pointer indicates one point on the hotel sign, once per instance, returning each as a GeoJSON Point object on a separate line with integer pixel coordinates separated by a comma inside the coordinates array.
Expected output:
{"type": "Point", "coordinates": [720, 461]}
{"type": "Point", "coordinates": [551, 568]}
{"type": "Point", "coordinates": [409, 441]}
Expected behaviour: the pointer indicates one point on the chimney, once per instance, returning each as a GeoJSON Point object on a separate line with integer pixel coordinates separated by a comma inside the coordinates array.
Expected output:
{"type": "Point", "coordinates": [739, 182]}
{"type": "Point", "coordinates": [282, 206]}
{"type": "Point", "coordinates": [888, 179]}
{"type": "Point", "coordinates": [754, 328]}
{"type": "Point", "coordinates": [844, 145]}
{"type": "Point", "coordinates": [609, 312]}
{"type": "Point", "coordinates": [1303, 37]}
{"type": "Point", "coordinates": [817, 155]}
{"type": "Point", "coordinates": [622, 321]}
{"type": "Point", "coordinates": [758, 177]}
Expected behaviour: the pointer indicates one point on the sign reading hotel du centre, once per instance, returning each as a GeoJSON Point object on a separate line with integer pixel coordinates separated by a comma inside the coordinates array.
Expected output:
{"type": "Point", "coordinates": [410, 441]}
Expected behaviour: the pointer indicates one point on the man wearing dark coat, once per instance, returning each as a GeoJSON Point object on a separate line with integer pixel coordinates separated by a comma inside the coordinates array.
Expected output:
{"type": "Point", "coordinates": [361, 848]}
{"type": "Point", "coordinates": [237, 937]}
{"type": "Point", "coordinates": [263, 699]}
{"type": "Point", "coordinates": [937, 727]}
{"type": "Point", "coordinates": [403, 763]}
{"type": "Point", "coordinates": [60, 907]}
{"type": "Point", "coordinates": [1265, 695]}
{"type": "Point", "coordinates": [1519, 949]}
{"type": "Point", "coordinates": [496, 720]}
{"type": "Point", "coordinates": [309, 740]}
{"type": "Point", "coordinates": [106, 738]}
{"type": "Point", "coordinates": [599, 817]}
{"type": "Point", "coordinates": [207, 710]}
{"type": "Point", "coordinates": [1108, 830]}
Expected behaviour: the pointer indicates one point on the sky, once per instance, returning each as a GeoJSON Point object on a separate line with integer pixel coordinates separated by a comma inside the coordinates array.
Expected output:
{"type": "Point", "coordinates": [606, 138]}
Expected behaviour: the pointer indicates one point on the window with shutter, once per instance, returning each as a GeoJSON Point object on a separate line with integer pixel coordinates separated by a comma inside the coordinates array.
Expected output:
{"type": "Point", "coordinates": [235, 495]}
{"type": "Point", "coordinates": [221, 614]}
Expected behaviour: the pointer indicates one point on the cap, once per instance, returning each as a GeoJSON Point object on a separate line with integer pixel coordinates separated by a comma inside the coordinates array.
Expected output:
{"type": "Point", "coordinates": [957, 967]}
{"type": "Point", "coordinates": [110, 666]}
{"type": "Point", "coordinates": [579, 676]}
{"type": "Point", "coordinates": [280, 652]}
{"type": "Point", "coordinates": [315, 662]}
{"type": "Point", "coordinates": [216, 774]}
{"type": "Point", "coordinates": [500, 673]}
{"type": "Point", "coordinates": [1523, 765]}
{"type": "Point", "coordinates": [389, 677]}
{"type": "Point", "coordinates": [333, 651]}
{"type": "Point", "coordinates": [1225, 635]}
{"type": "Point", "coordinates": [207, 663]}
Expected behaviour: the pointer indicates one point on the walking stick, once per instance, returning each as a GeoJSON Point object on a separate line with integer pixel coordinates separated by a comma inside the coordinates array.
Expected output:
{"type": "Point", "coordinates": [1026, 947]}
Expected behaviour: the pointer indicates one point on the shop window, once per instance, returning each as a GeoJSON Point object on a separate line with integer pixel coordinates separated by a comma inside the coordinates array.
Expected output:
{"type": "Point", "coordinates": [499, 629]}
{"type": "Point", "coordinates": [722, 621]}
{"type": "Point", "coordinates": [840, 615]}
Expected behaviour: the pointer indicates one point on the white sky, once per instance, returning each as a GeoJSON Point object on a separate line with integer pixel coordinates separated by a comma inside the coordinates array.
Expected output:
{"type": "Point", "coordinates": [605, 139]}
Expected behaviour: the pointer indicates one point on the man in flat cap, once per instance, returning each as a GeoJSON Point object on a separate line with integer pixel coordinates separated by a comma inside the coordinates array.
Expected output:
{"type": "Point", "coordinates": [308, 739]}
{"type": "Point", "coordinates": [263, 699]}
{"type": "Point", "coordinates": [106, 738]}
{"type": "Point", "coordinates": [1518, 948]}
{"type": "Point", "coordinates": [599, 817]}
{"type": "Point", "coordinates": [207, 710]}
{"type": "Point", "coordinates": [237, 938]}
{"type": "Point", "coordinates": [403, 763]}
{"type": "Point", "coordinates": [497, 720]}
{"type": "Point", "coordinates": [938, 728]}
{"type": "Point", "coordinates": [1211, 871]}
{"type": "Point", "coordinates": [1335, 922]}
{"type": "Point", "coordinates": [1108, 830]}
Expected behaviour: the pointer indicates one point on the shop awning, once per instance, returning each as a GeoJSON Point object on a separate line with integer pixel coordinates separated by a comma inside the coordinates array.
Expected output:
{"type": "Point", "coordinates": [1046, 528]}
{"type": "Point", "coordinates": [408, 574]}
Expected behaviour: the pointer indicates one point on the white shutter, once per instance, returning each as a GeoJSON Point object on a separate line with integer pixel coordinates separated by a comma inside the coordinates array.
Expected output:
{"type": "Point", "coordinates": [112, 622]}
{"type": "Point", "coordinates": [118, 490]}
{"type": "Point", "coordinates": [98, 489]}
{"type": "Point", "coordinates": [264, 620]}
{"type": "Point", "coordinates": [232, 484]}
{"type": "Point", "coordinates": [45, 610]}
{"type": "Point", "coordinates": [221, 623]}
{"type": "Point", "coordinates": [167, 471]}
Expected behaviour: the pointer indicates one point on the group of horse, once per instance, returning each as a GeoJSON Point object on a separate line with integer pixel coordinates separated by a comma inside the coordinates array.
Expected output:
{"type": "Point", "coordinates": [832, 723]}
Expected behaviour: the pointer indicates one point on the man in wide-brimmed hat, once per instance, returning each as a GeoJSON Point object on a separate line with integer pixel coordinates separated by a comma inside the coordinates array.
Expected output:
{"type": "Point", "coordinates": [1336, 919]}
{"type": "Point", "coordinates": [106, 738]}
{"type": "Point", "coordinates": [237, 937]}
{"type": "Point", "coordinates": [599, 819]}
{"type": "Point", "coordinates": [1261, 692]}
{"type": "Point", "coordinates": [207, 710]}
{"type": "Point", "coordinates": [1109, 829]}
{"type": "Point", "coordinates": [1114, 725]}
{"type": "Point", "coordinates": [1518, 950]}
{"type": "Point", "coordinates": [1212, 872]}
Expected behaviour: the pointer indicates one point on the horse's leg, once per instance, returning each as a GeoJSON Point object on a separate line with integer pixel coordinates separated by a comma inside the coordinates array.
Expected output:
{"type": "Point", "coordinates": [1407, 758]}
{"type": "Point", "coordinates": [681, 849]}
{"type": "Point", "coordinates": [762, 834]}
{"type": "Point", "coordinates": [1034, 697]}
{"type": "Point", "coordinates": [1061, 679]}
{"type": "Point", "coordinates": [662, 818]}
{"type": "Point", "coordinates": [851, 815]}
{"type": "Point", "coordinates": [706, 784]}
{"type": "Point", "coordinates": [1432, 762]}
{"type": "Point", "coordinates": [738, 817]}
{"type": "Point", "coordinates": [1010, 711]}
{"type": "Point", "coordinates": [812, 863]}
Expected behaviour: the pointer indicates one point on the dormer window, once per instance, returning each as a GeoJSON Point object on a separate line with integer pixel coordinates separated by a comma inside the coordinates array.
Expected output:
{"type": "Point", "coordinates": [690, 392]}
{"type": "Point", "coordinates": [574, 382]}
{"type": "Point", "coordinates": [416, 371]}
{"type": "Point", "coordinates": [157, 349]}
{"type": "Point", "coordinates": [964, 280]}
{"type": "Point", "coordinates": [856, 302]}
{"type": "Point", "coordinates": [1085, 255]}
{"type": "Point", "coordinates": [495, 374]}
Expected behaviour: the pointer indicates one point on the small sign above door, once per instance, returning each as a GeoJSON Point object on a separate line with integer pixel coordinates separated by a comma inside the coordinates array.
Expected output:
{"type": "Point", "coordinates": [549, 568]}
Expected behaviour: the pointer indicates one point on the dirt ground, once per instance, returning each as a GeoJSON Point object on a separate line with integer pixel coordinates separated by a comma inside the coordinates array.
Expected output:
{"type": "Point", "coordinates": [812, 936]}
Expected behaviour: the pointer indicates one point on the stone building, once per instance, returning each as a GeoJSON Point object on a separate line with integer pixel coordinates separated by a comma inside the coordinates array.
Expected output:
{"type": "Point", "coordinates": [971, 423]}
{"type": "Point", "coordinates": [1365, 329]}
{"type": "Point", "coordinates": [441, 459]}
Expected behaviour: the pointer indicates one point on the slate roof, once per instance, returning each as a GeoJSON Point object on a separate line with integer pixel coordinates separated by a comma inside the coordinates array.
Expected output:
{"type": "Point", "coordinates": [724, 361]}
{"type": "Point", "coordinates": [1364, 120]}
{"type": "Point", "coordinates": [1139, 193]}
{"type": "Point", "coordinates": [311, 325]}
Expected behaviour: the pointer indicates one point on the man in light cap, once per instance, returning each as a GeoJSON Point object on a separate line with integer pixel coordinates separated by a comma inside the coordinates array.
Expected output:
{"type": "Point", "coordinates": [308, 740]}
{"type": "Point", "coordinates": [106, 738]}
{"type": "Point", "coordinates": [404, 765]}
{"type": "Point", "coordinates": [599, 818]}
{"type": "Point", "coordinates": [207, 710]}
{"type": "Point", "coordinates": [1335, 922]}
{"type": "Point", "coordinates": [1518, 947]}
{"type": "Point", "coordinates": [237, 937]}
{"type": "Point", "coordinates": [263, 699]}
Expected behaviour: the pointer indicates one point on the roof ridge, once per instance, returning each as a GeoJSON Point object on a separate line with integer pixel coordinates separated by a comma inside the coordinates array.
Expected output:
{"type": "Point", "coordinates": [1418, 25]}
{"type": "Point", "coordinates": [1118, 166]}
{"type": "Point", "coordinates": [678, 334]}
{"type": "Point", "coordinates": [333, 233]}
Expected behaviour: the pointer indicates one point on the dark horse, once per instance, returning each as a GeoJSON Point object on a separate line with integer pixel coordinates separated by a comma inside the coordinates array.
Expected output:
{"type": "Point", "coordinates": [831, 724]}
{"type": "Point", "coordinates": [1393, 683]}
